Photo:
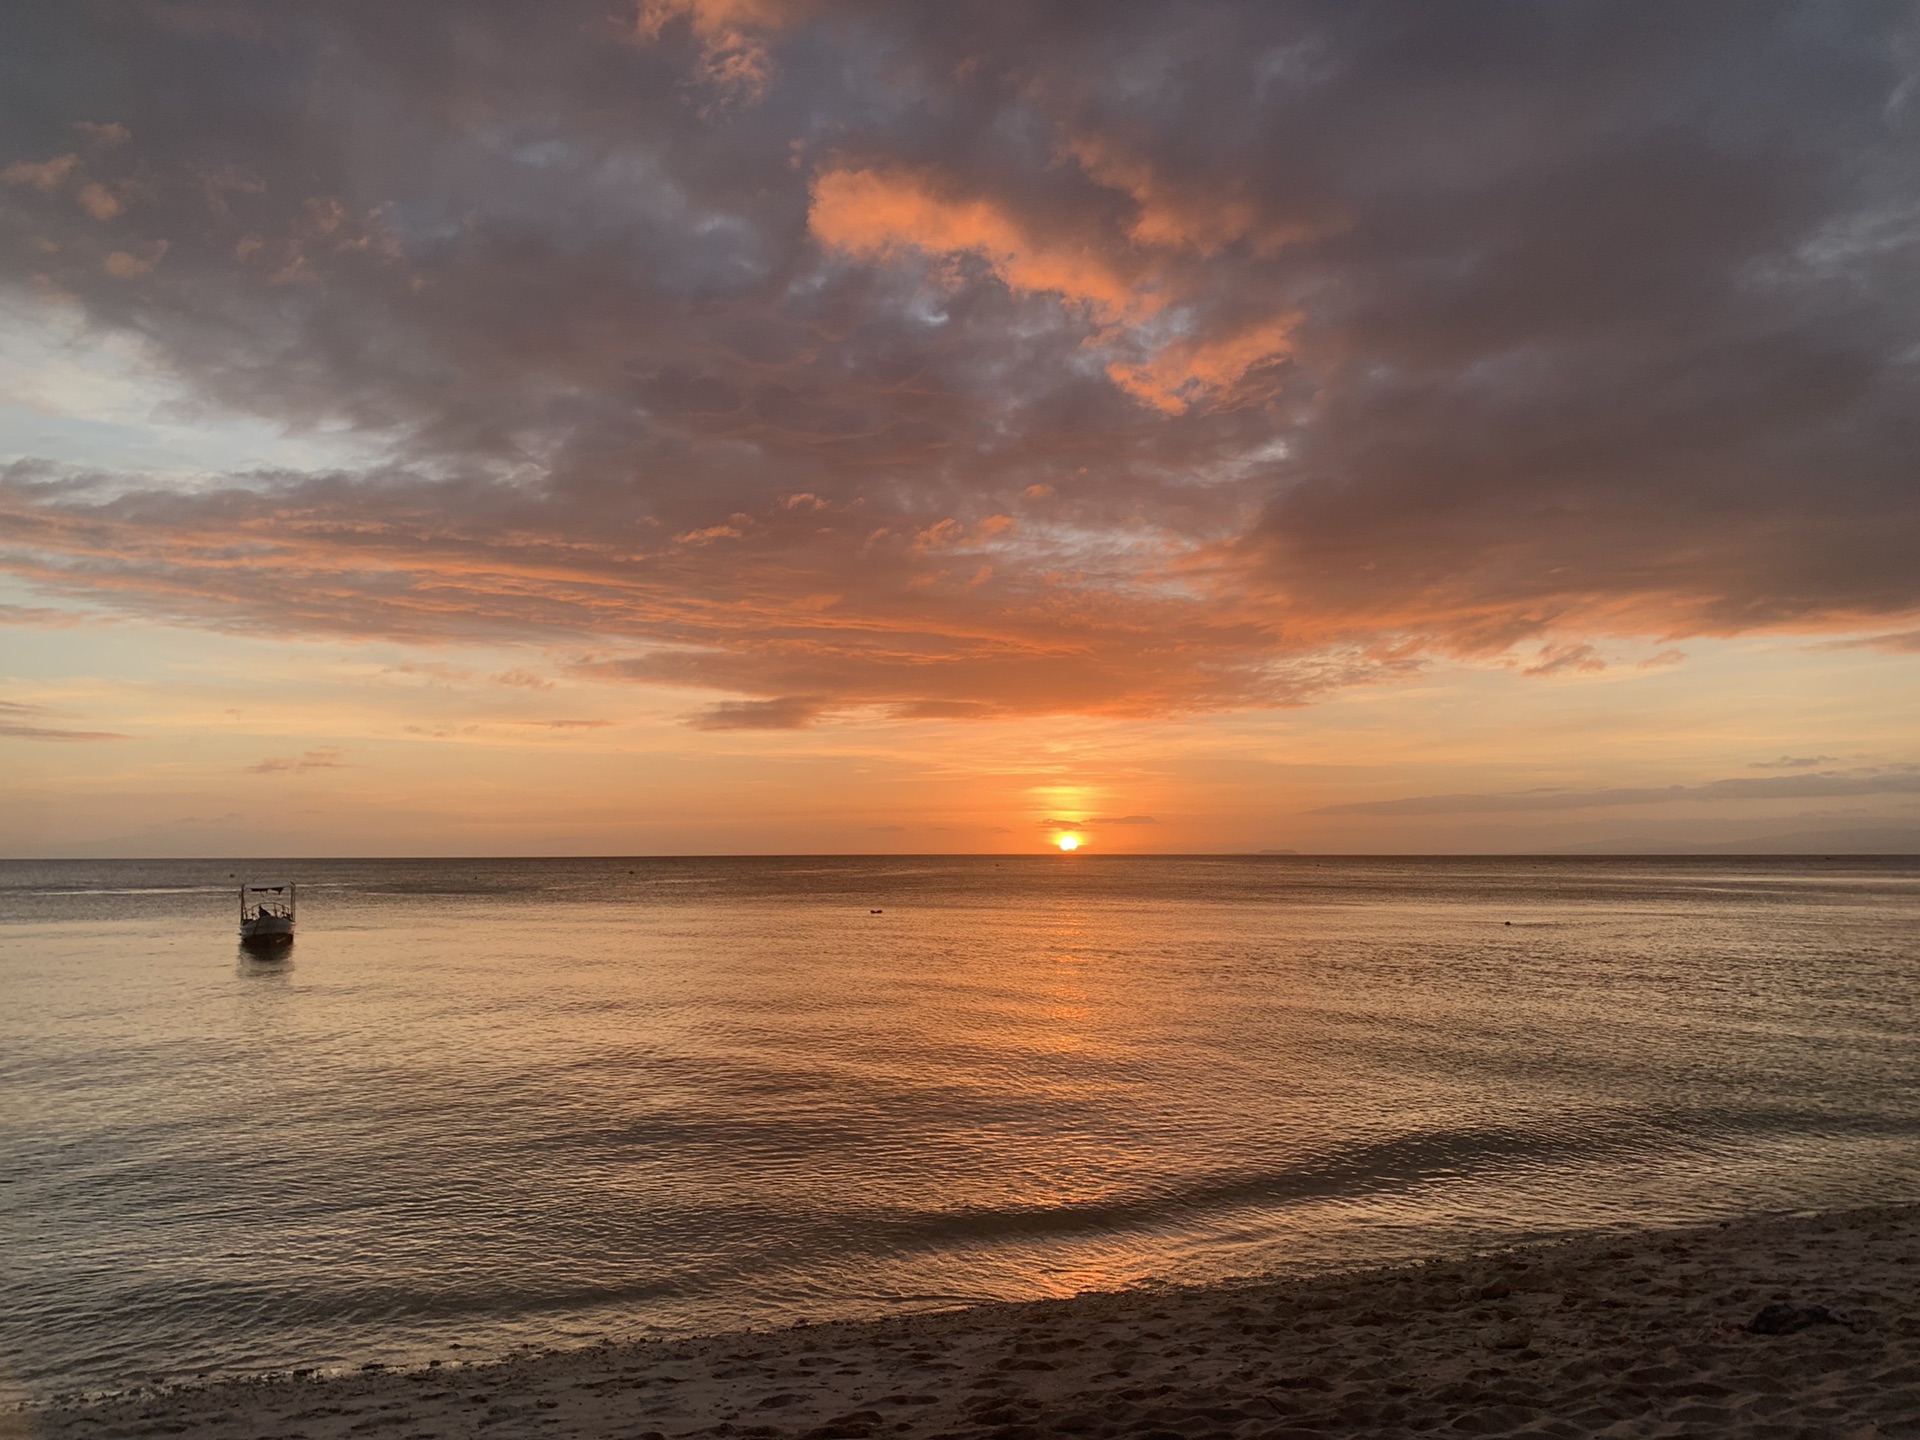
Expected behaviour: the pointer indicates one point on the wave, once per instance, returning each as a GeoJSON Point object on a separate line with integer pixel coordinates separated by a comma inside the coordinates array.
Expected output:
{"type": "Point", "coordinates": [1403, 1162]}
{"type": "Point", "coordinates": [1361, 1170]}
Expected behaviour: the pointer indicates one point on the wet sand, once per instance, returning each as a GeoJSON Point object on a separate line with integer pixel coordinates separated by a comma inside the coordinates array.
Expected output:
{"type": "Point", "coordinates": [1604, 1336]}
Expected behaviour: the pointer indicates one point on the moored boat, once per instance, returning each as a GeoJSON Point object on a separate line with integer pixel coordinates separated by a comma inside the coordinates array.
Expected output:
{"type": "Point", "coordinates": [266, 915]}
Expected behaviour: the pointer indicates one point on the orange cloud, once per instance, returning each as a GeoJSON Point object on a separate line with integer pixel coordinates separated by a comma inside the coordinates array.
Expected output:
{"type": "Point", "coordinates": [1184, 372]}
{"type": "Point", "coordinates": [44, 175]}
{"type": "Point", "coordinates": [98, 201]}
{"type": "Point", "coordinates": [875, 214]}
{"type": "Point", "coordinates": [743, 621]}
{"type": "Point", "coordinates": [733, 54]}
{"type": "Point", "coordinates": [733, 530]}
{"type": "Point", "coordinates": [939, 535]}
{"type": "Point", "coordinates": [880, 214]}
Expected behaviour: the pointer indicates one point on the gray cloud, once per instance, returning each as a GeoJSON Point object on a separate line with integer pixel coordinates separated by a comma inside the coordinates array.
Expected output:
{"type": "Point", "coordinates": [1234, 352]}
{"type": "Point", "coordinates": [790, 712]}
{"type": "Point", "coordinates": [1567, 659]}
{"type": "Point", "coordinates": [1905, 642]}
{"type": "Point", "coordinates": [15, 724]}
{"type": "Point", "coordinates": [11, 731]}
{"type": "Point", "coordinates": [522, 679]}
{"type": "Point", "coordinates": [34, 615]}
{"type": "Point", "coordinates": [1902, 781]}
{"type": "Point", "coordinates": [323, 759]}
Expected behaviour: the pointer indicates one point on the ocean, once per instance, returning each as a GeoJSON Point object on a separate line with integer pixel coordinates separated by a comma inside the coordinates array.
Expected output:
{"type": "Point", "coordinates": [488, 1104]}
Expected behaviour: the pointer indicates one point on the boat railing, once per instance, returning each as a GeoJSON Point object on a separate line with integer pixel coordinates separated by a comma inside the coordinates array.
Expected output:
{"type": "Point", "coordinates": [274, 900]}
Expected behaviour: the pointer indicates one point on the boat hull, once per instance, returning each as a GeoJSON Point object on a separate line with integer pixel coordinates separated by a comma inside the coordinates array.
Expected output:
{"type": "Point", "coordinates": [266, 930]}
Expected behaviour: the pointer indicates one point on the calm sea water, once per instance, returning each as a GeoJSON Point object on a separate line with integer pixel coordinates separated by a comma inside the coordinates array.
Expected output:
{"type": "Point", "coordinates": [492, 1103]}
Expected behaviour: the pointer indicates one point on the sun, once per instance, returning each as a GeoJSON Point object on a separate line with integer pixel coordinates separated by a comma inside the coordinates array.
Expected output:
{"type": "Point", "coordinates": [1069, 842]}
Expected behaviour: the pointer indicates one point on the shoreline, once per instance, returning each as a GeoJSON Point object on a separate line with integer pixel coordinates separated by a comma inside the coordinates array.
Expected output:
{"type": "Point", "coordinates": [1614, 1333]}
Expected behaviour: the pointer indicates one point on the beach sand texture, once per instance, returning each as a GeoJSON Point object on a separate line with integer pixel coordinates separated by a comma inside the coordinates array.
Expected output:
{"type": "Point", "coordinates": [1603, 1336]}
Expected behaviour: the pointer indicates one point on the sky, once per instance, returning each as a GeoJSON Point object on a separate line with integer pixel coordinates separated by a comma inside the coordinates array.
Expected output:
{"type": "Point", "coordinates": [775, 426]}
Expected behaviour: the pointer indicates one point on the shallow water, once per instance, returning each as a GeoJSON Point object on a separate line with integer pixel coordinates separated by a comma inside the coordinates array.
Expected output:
{"type": "Point", "coordinates": [490, 1103]}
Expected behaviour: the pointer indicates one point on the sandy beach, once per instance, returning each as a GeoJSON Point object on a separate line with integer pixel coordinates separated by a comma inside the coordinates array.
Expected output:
{"type": "Point", "coordinates": [1650, 1335]}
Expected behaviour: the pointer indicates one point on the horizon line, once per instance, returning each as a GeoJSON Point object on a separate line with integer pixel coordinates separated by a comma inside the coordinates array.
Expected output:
{"type": "Point", "coordinates": [1063, 857]}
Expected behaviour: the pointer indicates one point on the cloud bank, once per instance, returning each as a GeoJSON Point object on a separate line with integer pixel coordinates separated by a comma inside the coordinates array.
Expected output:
{"type": "Point", "coordinates": [1902, 780]}
{"type": "Point", "coordinates": [20, 721]}
{"type": "Point", "coordinates": [959, 360]}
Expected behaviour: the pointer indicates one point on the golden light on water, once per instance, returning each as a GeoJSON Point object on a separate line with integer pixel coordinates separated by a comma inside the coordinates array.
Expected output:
{"type": "Point", "coordinates": [1068, 842]}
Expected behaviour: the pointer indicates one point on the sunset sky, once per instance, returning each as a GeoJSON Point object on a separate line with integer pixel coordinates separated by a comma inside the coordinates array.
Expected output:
{"type": "Point", "coordinates": [751, 426]}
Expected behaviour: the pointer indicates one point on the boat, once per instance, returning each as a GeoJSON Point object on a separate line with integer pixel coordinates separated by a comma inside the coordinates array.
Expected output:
{"type": "Point", "coordinates": [266, 915]}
